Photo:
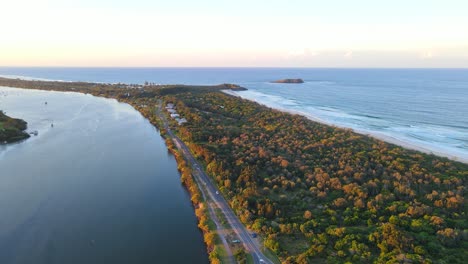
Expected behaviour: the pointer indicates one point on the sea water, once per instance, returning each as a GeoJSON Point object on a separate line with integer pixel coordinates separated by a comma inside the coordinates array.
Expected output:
{"type": "Point", "coordinates": [423, 108]}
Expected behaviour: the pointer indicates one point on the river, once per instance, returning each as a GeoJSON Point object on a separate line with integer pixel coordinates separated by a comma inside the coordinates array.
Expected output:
{"type": "Point", "coordinates": [99, 186]}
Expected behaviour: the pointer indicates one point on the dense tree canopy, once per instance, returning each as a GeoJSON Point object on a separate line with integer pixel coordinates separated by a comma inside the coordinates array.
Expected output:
{"type": "Point", "coordinates": [319, 192]}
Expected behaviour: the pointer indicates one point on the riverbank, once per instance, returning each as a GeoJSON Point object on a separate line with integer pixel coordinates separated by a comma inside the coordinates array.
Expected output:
{"type": "Point", "coordinates": [376, 135]}
{"type": "Point", "coordinates": [144, 98]}
{"type": "Point", "coordinates": [12, 129]}
{"type": "Point", "coordinates": [315, 192]}
{"type": "Point", "coordinates": [101, 170]}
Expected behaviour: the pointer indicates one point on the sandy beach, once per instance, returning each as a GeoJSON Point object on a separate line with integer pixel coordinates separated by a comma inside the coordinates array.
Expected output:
{"type": "Point", "coordinates": [376, 135]}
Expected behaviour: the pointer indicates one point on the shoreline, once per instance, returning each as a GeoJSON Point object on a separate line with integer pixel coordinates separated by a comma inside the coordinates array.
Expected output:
{"type": "Point", "coordinates": [200, 206]}
{"type": "Point", "coordinates": [139, 100]}
{"type": "Point", "coordinates": [375, 135]}
{"type": "Point", "coordinates": [187, 191]}
{"type": "Point", "coordinates": [12, 129]}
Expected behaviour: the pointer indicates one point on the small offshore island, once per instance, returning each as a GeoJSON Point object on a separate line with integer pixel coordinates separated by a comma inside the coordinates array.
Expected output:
{"type": "Point", "coordinates": [12, 129]}
{"type": "Point", "coordinates": [314, 193]}
{"type": "Point", "coordinates": [288, 81]}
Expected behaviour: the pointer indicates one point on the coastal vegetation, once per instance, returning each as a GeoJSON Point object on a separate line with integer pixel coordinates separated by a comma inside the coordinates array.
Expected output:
{"type": "Point", "coordinates": [315, 193]}
{"type": "Point", "coordinates": [320, 193]}
{"type": "Point", "coordinates": [12, 129]}
{"type": "Point", "coordinates": [201, 212]}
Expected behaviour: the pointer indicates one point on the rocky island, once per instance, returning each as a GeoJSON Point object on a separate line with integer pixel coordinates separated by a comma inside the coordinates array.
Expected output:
{"type": "Point", "coordinates": [289, 81]}
{"type": "Point", "coordinates": [12, 129]}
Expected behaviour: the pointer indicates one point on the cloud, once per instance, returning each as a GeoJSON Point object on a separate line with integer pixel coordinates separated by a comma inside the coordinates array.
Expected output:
{"type": "Point", "coordinates": [427, 55]}
{"type": "Point", "coordinates": [348, 55]}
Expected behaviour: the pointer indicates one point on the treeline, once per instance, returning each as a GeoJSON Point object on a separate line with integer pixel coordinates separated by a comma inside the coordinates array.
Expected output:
{"type": "Point", "coordinates": [320, 193]}
{"type": "Point", "coordinates": [117, 90]}
{"type": "Point", "coordinates": [201, 210]}
{"type": "Point", "coordinates": [147, 107]}
{"type": "Point", "coordinates": [12, 129]}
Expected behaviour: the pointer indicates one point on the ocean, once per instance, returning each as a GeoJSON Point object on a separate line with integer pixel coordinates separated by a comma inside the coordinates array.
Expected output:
{"type": "Point", "coordinates": [425, 109]}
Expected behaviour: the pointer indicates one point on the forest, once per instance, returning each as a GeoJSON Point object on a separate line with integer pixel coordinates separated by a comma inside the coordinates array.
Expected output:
{"type": "Point", "coordinates": [12, 129]}
{"type": "Point", "coordinates": [318, 193]}
{"type": "Point", "coordinates": [315, 193]}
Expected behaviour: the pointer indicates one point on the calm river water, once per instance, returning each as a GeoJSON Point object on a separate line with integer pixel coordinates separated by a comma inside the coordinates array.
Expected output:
{"type": "Point", "coordinates": [97, 187]}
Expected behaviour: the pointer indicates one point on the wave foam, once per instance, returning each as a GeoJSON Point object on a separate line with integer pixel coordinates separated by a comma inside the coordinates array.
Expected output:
{"type": "Point", "coordinates": [437, 140]}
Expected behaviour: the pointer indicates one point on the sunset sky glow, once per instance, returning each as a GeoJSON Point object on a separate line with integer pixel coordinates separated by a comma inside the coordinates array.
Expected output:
{"type": "Point", "coordinates": [294, 33]}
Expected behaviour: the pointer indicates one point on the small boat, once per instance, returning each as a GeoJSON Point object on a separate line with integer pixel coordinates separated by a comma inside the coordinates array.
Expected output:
{"type": "Point", "coordinates": [34, 133]}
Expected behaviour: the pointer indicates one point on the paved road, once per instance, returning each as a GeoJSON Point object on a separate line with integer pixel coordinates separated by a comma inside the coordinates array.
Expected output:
{"type": "Point", "coordinates": [219, 226]}
{"type": "Point", "coordinates": [210, 190]}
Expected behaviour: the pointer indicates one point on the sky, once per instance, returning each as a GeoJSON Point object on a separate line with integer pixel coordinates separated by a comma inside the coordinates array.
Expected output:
{"type": "Point", "coordinates": [234, 33]}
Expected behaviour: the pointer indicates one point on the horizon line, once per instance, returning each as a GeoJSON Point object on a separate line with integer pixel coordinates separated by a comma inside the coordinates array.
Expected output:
{"type": "Point", "coordinates": [231, 67]}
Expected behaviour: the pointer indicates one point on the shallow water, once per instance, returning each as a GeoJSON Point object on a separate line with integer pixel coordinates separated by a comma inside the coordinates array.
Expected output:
{"type": "Point", "coordinates": [97, 187]}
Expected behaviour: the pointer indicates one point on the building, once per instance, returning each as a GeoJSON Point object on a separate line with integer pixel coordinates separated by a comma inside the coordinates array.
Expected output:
{"type": "Point", "coordinates": [181, 120]}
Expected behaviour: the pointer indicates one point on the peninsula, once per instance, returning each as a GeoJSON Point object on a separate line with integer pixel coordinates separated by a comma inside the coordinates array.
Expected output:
{"type": "Point", "coordinates": [11, 129]}
{"type": "Point", "coordinates": [312, 192]}
{"type": "Point", "coordinates": [289, 81]}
